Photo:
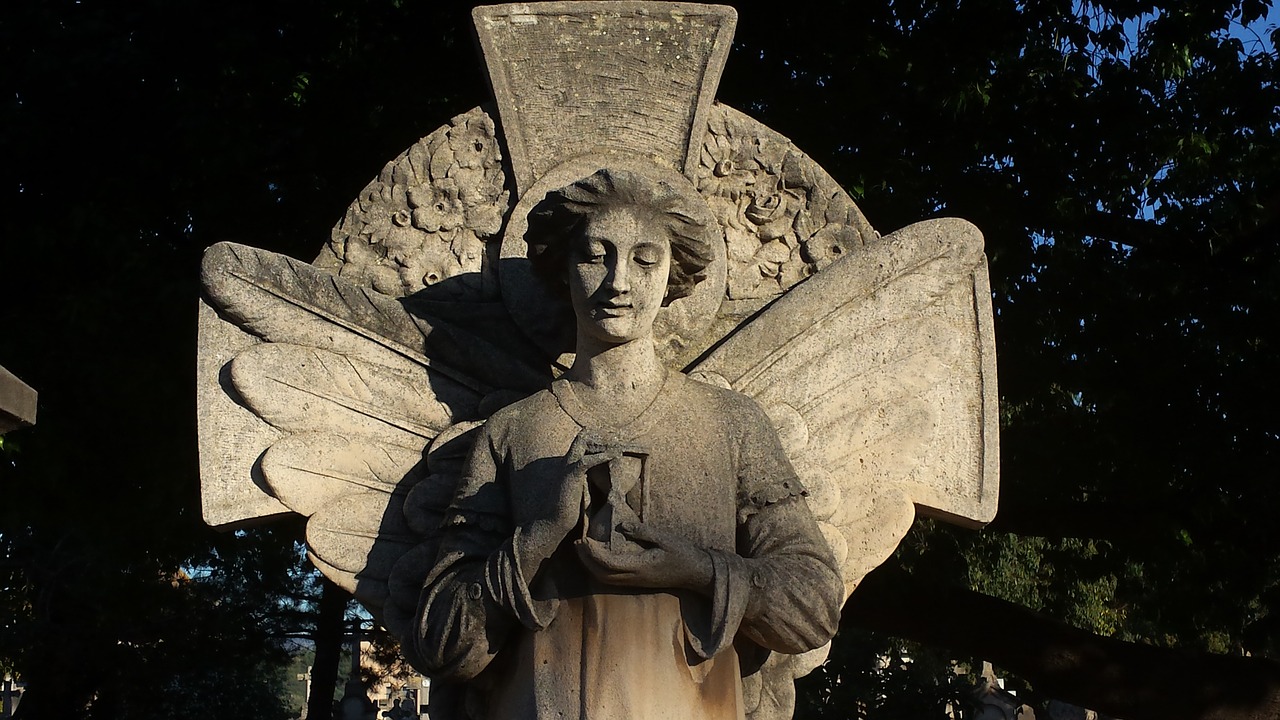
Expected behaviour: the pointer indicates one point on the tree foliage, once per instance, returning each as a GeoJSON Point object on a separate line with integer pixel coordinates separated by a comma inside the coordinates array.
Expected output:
{"type": "Point", "coordinates": [1121, 158]}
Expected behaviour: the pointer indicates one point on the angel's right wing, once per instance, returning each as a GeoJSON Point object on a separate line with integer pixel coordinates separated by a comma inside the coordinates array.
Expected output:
{"type": "Point", "coordinates": [362, 412]}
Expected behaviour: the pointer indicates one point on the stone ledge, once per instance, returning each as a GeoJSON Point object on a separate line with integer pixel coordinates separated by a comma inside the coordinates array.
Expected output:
{"type": "Point", "coordinates": [17, 403]}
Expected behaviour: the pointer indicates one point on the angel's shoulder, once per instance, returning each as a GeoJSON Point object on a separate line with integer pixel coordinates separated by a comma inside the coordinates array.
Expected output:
{"type": "Point", "coordinates": [522, 415]}
{"type": "Point", "coordinates": [723, 404]}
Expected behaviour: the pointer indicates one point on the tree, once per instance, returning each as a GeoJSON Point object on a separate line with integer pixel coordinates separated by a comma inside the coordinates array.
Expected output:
{"type": "Point", "coordinates": [122, 130]}
{"type": "Point", "coordinates": [1120, 157]}
{"type": "Point", "coordinates": [1121, 160]}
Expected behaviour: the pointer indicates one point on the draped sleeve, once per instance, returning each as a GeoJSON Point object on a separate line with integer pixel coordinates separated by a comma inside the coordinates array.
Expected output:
{"type": "Point", "coordinates": [781, 587]}
{"type": "Point", "coordinates": [477, 592]}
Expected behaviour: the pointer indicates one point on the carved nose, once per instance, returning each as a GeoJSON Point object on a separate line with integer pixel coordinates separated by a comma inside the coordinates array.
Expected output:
{"type": "Point", "coordinates": [618, 280]}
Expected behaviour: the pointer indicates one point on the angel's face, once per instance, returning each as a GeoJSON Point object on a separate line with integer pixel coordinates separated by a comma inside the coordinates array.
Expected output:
{"type": "Point", "coordinates": [618, 271]}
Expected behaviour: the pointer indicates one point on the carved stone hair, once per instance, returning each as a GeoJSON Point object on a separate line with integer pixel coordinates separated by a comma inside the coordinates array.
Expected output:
{"type": "Point", "coordinates": [559, 220]}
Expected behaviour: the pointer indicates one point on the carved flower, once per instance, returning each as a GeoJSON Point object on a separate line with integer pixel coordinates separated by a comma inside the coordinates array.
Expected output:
{"type": "Point", "coordinates": [771, 257]}
{"type": "Point", "coordinates": [484, 215]}
{"type": "Point", "coordinates": [423, 261]}
{"type": "Point", "coordinates": [376, 228]}
{"type": "Point", "coordinates": [773, 208]}
{"type": "Point", "coordinates": [474, 142]}
{"type": "Point", "coordinates": [728, 166]}
{"type": "Point", "coordinates": [437, 207]}
{"type": "Point", "coordinates": [765, 207]}
{"type": "Point", "coordinates": [829, 244]}
{"type": "Point", "coordinates": [468, 250]}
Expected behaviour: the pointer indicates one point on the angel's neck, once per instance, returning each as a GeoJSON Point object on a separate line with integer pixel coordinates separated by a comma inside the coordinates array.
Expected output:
{"type": "Point", "coordinates": [620, 375]}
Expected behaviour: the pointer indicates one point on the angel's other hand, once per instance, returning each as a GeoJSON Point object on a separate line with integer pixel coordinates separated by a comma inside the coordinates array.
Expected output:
{"type": "Point", "coordinates": [660, 562]}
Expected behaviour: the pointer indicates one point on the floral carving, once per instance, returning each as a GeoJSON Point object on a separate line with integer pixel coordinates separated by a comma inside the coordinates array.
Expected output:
{"type": "Point", "coordinates": [427, 216]}
{"type": "Point", "coordinates": [437, 207]}
{"type": "Point", "coordinates": [784, 218]}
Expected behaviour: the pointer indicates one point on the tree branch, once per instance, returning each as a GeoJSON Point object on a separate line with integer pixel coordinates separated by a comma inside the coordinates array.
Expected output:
{"type": "Point", "coordinates": [1136, 682]}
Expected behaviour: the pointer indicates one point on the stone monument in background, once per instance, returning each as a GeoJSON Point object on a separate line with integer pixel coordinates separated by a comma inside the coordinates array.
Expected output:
{"type": "Point", "coordinates": [606, 396]}
{"type": "Point", "coordinates": [17, 403]}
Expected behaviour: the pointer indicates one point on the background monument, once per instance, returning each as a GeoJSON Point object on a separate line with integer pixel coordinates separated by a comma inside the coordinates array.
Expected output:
{"type": "Point", "coordinates": [17, 403]}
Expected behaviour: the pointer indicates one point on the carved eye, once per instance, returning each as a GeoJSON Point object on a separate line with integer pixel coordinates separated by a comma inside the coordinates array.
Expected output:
{"type": "Point", "coordinates": [647, 254]}
{"type": "Point", "coordinates": [479, 146]}
{"type": "Point", "coordinates": [401, 218]}
{"type": "Point", "coordinates": [590, 252]}
{"type": "Point", "coordinates": [723, 168]}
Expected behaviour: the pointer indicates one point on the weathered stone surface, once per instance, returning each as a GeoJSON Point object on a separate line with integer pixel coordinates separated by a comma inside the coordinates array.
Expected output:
{"type": "Point", "coordinates": [17, 403]}
{"type": "Point", "coordinates": [231, 438]}
{"type": "Point", "coordinates": [845, 380]}
{"type": "Point", "coordinates": [424, 221]}
{"type": "Point", "coordinates": [879, 373]}
{"type": "Point", "coordinates": [547, 318]}
{"type": "Point", "coordinates": [626, 504]}
{"type": "Point", "coordinates": [572, 78]}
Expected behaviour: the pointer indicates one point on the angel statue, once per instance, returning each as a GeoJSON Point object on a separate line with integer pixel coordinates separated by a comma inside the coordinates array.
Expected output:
{"type": "Point", "coordinates": [603, 401]}
{"type": "Point", "coordinates": [627, 521]}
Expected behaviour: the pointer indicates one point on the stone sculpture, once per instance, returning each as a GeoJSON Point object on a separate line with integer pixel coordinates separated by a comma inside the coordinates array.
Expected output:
{"type": "Point", "coordinates": [637, 493]}
{"type": "Point", "coordinates": [691, 528]}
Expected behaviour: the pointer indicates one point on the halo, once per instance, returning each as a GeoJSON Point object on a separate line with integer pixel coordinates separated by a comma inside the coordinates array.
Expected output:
{"type": "Point", "coordinates": [547, 319]}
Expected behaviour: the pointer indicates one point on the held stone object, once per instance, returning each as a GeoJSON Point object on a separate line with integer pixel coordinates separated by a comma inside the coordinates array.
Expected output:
{"type": "Point", "coordinates": [605, 397]}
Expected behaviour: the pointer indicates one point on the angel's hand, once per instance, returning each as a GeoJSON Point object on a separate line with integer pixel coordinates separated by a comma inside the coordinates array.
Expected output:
{"type": "Point", "coordinates": [657, 561]}
{"type": "Point", "coordinates": [541, 538]}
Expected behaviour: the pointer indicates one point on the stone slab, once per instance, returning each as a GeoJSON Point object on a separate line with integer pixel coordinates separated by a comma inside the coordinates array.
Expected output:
{"type": "Point", "coordinates": [572, 78]}
{"type": "Point", "coordinates": [17, 403]}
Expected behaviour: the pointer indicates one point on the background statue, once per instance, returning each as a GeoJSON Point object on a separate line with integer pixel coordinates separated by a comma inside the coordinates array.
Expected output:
{"type": "Point", "coordinates": [356, 391]}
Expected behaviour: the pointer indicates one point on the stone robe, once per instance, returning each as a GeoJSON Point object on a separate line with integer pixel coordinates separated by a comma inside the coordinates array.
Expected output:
{"type": "Point", "coordinates": [564, 645]}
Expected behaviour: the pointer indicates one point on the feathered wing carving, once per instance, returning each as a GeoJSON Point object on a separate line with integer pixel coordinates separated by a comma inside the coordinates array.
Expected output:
{"type": "Point", "coordinates": [373, 406]}
{"type": "Point", "coordinates": [280, 299]}
{"type": "Point", "coordinates": [878, 373]}
{"type": "Point", "coordinates": [872, 371]}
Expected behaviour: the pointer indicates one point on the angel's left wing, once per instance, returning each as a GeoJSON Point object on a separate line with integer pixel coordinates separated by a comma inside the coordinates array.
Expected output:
{"type": "Point", "coordinates": [879, 374]}
{"type": "Point", "coordinates": [339, 404]}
